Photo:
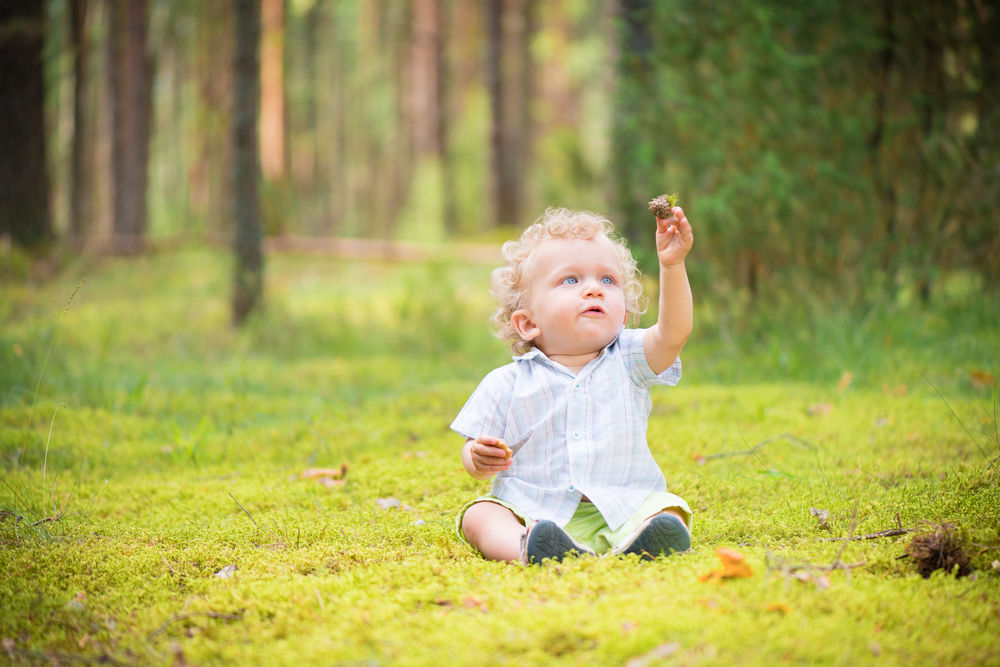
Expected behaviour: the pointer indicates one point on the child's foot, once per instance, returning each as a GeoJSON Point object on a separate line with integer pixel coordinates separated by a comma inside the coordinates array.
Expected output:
{"type": "Point", "coordinates": [661, 534]}
{"type": "Point", "coordinates": [547, 540]}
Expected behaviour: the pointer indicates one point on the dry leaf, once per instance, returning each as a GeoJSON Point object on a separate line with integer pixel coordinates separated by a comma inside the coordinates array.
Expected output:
{"type": "Point", "coordinates": [820, 409]}
{"type": "Point", "coordinates": [660, 652]}
{"type": "Point", "coordinates": [708, 604]}
{"type": "Point", "coordinates": [996, 565]}
{"type": "Point", "coordinates": [982, 379]}
{"type": "Point", "coordinates": [899, 390]}
{"type": "Point", "coordinates": [780, 607]}
{"type": "Point", "coordinates": [84, 640]}
{"type": "Point", "coordinates": [388, 503]}
{"type": "Point", "coordinates": [876, 649]}
{"type": "Point", "coordinates": [8, 645]}
{"type": "Point", "coordinates": [733, 566]}
{"type": "Point", "coordinates": [821, 516]}
{"type": "Point", "coordinates": [845, 381]}
{"type": "Point", "coordinates": [228, 572]}
{"type": "Point", "coordinates": [629, 626]}
{"type": "Point", "coordinates": [472, 602]}
{"type": "Point", "coordinates": [332, 473]}
{"type": "Point", "coordinates": [442, 602]}
{"type": "Point", "coordinates": [698, 458]}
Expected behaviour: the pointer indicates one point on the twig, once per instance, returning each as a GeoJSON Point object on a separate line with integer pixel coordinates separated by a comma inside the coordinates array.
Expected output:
{"type": "Point", "coordinates": [48, 519]}
{"type": "Point", "coordinates": [871, 536]}
{"type": "Point", "coordinates": [751, 451]}
{"type": "Point", "coordinates": [180, 617]}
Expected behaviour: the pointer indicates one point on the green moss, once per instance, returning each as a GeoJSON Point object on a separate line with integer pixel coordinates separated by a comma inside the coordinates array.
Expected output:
{"type": "Point", "coordinates": [172, 418]}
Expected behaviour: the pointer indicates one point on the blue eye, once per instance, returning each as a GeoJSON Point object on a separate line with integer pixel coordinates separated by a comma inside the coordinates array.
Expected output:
{"type": "Point", "coordinates": [607, 281]}
{"type": "Point", "coordinates": [569, 281]}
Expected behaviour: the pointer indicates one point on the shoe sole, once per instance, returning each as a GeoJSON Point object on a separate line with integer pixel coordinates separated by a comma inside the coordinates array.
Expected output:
{"type": "Point", "coordinates": [665, 535]}
{"type": "Point", "coordinates": [547, 540]}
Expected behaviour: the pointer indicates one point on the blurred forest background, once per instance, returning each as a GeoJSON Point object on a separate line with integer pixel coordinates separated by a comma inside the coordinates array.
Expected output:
{"type": "Point", "coordinates": [849, 149]}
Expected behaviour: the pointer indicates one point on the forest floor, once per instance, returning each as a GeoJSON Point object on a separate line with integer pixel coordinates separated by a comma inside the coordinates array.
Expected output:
{"type": "Point", "coordinates": [153, 508]}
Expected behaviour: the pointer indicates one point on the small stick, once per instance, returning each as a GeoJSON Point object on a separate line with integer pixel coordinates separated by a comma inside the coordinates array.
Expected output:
{"type": "Point", "coordinates": [871, 536]}
{"type": "Point", "coordinates": [180, 617]}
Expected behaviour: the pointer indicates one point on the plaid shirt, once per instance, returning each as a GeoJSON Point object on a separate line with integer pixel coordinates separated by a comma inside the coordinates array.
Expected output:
{"type": "Point", "coordinates": [572, 435]}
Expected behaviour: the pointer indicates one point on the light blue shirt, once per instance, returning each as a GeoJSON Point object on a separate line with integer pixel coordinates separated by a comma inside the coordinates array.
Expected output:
{"type": "Point", "coordinates": [572, 435]}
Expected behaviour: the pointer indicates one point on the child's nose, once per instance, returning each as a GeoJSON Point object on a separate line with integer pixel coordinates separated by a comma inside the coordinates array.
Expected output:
{"type": "Point", "coordinates": [594, 288]}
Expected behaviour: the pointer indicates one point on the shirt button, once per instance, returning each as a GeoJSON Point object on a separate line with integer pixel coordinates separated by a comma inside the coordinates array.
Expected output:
{"type": "Point", "coordinates": [577, 386]}
{"type": "Point", "coordinates": [571, 488]}
{"type": "Point", "coordinates": [576, 435]}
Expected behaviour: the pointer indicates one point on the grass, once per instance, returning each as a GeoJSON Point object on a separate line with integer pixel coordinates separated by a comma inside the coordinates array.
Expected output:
{"type": "Point", "coordinates": [181, 443]}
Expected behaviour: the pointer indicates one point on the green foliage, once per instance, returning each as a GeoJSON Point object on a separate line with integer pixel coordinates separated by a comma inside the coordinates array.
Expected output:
{"type": "Point", "coordinates": [180, 449]}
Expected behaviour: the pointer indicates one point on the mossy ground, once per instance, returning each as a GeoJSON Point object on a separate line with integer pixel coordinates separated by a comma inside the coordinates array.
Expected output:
{"type": "Point", "coordinates": [181, 443]}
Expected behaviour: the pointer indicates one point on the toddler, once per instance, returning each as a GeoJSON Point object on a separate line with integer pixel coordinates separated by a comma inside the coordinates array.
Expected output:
{"type": "Point", "coordinates": [574, 403]}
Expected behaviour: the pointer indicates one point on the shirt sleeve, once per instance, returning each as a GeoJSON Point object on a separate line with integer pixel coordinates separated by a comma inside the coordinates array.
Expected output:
{"type": "Point", "coordinates": [630, 343]}
{"type": "Point", "coordinates": [485, 413]}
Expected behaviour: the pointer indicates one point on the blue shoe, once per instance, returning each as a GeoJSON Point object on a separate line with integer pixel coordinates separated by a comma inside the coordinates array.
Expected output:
{"type": "Point", "coordinates": [547, 540]}
{"type": "Point", "coordinates": [662, 534]}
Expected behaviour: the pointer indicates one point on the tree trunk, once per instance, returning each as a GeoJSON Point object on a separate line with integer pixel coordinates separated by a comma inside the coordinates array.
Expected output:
{"type": "Point", "coordinates": [130, 79]}
{"type": "Point", "coordinates": [24, 178]}
{"type": "Point", "coordinates": [79, 186]}
{"type": "Point", "coordinates": [444, 118]}
{"type": "Point", "coordinates": [272, 86]}
{"type": "Point", "coordinates": [248, 280]}
{"type": "Point", "coordinates": [636, 164]}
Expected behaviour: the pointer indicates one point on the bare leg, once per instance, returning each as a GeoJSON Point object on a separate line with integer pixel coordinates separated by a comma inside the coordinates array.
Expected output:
{"type": "Point", "coordinates": [494, 530]}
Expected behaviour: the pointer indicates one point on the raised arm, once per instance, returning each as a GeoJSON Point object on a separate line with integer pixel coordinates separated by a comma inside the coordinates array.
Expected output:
{"type": "Point", "coordinates": [663, 341]}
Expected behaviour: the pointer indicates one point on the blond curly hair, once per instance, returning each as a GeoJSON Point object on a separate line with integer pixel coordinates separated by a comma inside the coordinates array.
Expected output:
{"type": "Point", "coordinates": [509, 284]}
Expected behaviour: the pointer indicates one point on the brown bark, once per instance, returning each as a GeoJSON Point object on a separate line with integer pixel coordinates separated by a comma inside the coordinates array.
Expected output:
{"type": "Point", "coordinates": [24, 179]}
{"type": "Point", "coordinates": [272, 89]}
{"type": "Point", "coordinates": [130, 78]}
{"type": "Point", "coordinates": [79, 186]}
{"type": "Point", "coordinates": [248, 279]}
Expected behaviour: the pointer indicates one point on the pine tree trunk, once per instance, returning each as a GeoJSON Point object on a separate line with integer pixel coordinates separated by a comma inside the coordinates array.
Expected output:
{"type": "Point", "coordinates": [130, 87]}
{"type": "Point", "coordinates": [272, 81]}
{"type": "Point", "coordinates": [79, 172]}
{"type": "Point", "coordinates": [635, 163]}
{"type": "Point", "coordinates": [248, 280]}
{"type": "Point", "coordinates": [24, 178]}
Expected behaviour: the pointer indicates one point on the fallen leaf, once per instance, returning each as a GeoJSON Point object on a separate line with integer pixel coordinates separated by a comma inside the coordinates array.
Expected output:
{"type": "Point", "coordinates": [472, 602]}
{"type": "Point", "coordinates": [228, 572]}
{"type": "Point", "coordinates": [980, 379]}
{"type": "Point", "coordinates": [820, 408]}
{"type": "Point", "coordinates": [708, 604]}
{"type": "Point", "coordinates": [780, 607]}
{"type": "Point", "coordinates": [733, 566]}
{"type": "Point", "coordinates": [84, 640]}
{"type": "Point", "coordinates": [407, 455]}
{"type": "Point", "coordinates": [332, 473]}
{"type": "Point", "coordinates": [898, 390]}
{"type": "Point", "coordinates": [658, 653]}
{"type": "Point", "coordinates": [387, 503]}
{"type": "Point", "coordinates": [443, 602]}
{"type": "Point", "coordinates": [821, 516]}
{"type": "Point", "coordinates": [845, 381]}
{"type": "Point", "coordinates": [8, 645]}
{"type": "Point", "coordinates": [421, 455]}
{"type": "Point", "coordinates": [332, 483]}
{"type": "Point", "coordinates": [629, 626]}
{"type": "Point", "coordinates": [996, 565]}
{"type": "Point", "coordinates": [880, 422]}
{"type": "Point", "coordinates": [419, 522]}
{"type": "Point", "coordinates": [698, 458]}
{"type": "Point", "coordinates": [822, 581]}
{"type": "Point", "coordinates": [77, 602]}
{"type": "Point", "coordinates": [876, 649]}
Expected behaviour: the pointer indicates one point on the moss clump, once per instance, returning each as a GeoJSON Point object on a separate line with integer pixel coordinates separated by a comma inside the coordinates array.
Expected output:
{"type": "Point", "coordinates": [941, 547]}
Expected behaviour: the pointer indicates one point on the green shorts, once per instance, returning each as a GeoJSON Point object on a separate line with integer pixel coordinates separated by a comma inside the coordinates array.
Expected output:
{"type": "Point", "coordinates": [587, 526]}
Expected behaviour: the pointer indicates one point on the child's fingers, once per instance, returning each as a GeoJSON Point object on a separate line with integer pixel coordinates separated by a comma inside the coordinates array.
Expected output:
{"type": "Point", "coordinates": [487, 440]}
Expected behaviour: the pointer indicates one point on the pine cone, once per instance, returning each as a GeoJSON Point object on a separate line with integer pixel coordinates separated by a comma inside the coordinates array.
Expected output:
{"type": "Point", "coordinates": [660, 206]}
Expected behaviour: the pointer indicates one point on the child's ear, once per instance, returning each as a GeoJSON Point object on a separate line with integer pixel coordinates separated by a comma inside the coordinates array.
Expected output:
{"type": "Point", "coordinates": [523, 324]}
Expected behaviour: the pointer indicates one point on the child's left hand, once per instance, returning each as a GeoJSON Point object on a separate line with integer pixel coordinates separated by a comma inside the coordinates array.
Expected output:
{"type": "Point", "coordinates": [674, 238]}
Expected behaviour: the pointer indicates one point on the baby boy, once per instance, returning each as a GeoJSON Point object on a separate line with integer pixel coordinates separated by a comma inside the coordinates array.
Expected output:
{"type": "Point", "coordinates": [574, 403]}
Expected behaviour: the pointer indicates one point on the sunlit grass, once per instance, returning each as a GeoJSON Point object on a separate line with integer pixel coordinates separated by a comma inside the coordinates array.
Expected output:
{"type": "Point", "coordinates": [181, 443]}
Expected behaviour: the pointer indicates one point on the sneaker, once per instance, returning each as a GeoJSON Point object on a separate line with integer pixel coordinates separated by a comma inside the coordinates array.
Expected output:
{"type": "Point", "coordinates": [547, 540]}
{"type": "Point", "coordinates": [661, 534]}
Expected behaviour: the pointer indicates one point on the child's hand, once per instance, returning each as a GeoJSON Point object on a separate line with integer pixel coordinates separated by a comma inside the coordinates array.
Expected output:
{"type": "Point", "coordinates": [674, 237]}
{"type": "Point", "coordinates": [487, 456]}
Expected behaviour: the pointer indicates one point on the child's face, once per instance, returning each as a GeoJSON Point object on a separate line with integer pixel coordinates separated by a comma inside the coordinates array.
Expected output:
{"type": "Point", "coordinates": [576, 303]}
